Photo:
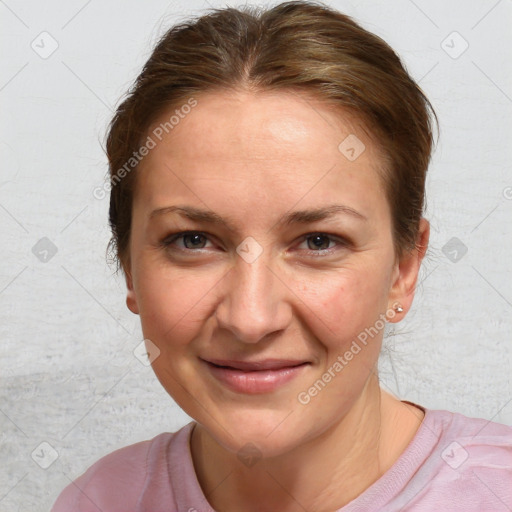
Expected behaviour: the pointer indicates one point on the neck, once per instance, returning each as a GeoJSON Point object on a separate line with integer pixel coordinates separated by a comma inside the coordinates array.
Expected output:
{"type": "Point", "coordinates": [321, 474]}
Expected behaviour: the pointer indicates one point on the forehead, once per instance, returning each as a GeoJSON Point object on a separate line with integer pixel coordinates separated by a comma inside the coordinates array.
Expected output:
{"type": "Point", "coordinates": [287, 120]}
{"type": "Point", "coordinates": [259, 147]}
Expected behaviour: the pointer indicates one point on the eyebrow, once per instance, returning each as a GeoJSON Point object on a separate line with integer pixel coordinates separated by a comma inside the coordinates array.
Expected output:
{"type": "Point", "coordinates": [296, 217]}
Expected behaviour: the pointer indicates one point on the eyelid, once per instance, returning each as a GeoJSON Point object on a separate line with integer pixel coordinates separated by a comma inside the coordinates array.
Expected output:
{"type": "Point", "coordinates": [342, 242]}
{"type": "Point", "coordinates": [168, 240]}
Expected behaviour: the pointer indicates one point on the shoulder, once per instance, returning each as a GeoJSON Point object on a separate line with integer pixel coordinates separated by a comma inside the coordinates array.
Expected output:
{"type": "Point", "coordinates": [475, 441]}
{"type": "Point", "coordinates": [116, 481]}
{"type": "Point", "coordinates": [472, 461]}
{"type": "Point", "coordinates": [473, 430]}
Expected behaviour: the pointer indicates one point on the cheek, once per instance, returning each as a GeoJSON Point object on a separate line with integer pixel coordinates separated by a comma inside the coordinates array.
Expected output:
{"type": "Point", "coordinates": [173, 304]}
{"type": "Point", "coordinates": [340, 306]}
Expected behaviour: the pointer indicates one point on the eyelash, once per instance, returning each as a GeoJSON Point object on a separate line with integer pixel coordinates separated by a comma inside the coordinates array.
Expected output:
{"type": "Point", "coordinates": [170, 239]}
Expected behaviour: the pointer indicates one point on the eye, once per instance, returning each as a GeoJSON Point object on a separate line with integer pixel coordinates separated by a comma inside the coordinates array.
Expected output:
{"type": "Point", "coordinates": [318, 244]}
{"type": "Point", "coordinates": [321, 243]}
{"type": "Point", "coordinates": [190, 240]}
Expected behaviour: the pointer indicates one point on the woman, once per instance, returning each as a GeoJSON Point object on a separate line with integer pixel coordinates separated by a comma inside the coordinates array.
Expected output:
{"type": "Point", "coordinates": [268, 180]}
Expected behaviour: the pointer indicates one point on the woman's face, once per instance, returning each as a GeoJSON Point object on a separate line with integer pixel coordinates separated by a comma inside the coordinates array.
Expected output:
{"type": "Point", "coordinates": [255, 281]}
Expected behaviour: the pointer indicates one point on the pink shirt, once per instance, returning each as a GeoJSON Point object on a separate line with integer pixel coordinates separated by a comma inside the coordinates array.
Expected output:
{"type": "Point", "coordinates": [453, 463]}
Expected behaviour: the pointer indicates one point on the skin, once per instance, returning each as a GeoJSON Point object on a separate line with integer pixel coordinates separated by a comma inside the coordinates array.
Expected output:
{"type": "Point", "coordinates": [251, 158]}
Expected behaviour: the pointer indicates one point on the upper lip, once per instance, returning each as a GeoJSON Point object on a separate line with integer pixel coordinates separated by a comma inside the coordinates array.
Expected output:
{"type": "Point", "coordinates": [266, 364]}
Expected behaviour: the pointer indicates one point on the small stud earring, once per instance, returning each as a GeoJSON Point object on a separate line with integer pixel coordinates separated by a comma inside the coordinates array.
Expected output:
{"type": "Point", "coordinates": [399, 309]}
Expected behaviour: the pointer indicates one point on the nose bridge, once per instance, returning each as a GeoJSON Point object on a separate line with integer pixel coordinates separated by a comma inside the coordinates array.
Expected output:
{"type": "Point", "coordinates": [253, 305]}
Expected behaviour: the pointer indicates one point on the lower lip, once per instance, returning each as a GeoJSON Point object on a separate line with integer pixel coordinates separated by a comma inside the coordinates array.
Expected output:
{"type": "Point", "coordinates": [260, 381]}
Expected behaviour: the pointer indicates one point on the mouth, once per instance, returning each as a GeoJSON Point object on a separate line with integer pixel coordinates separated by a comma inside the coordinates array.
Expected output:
{"type": "Point", "coordinates": [255, 377]}
{"type": "Point", "coordinates": [266, 364]}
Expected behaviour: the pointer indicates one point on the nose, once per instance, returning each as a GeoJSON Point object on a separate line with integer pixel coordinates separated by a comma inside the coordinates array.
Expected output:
{"type": "Point", "coordinates": [254, 301]}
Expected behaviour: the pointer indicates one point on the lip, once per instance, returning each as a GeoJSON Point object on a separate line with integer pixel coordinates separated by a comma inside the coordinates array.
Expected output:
{"type": "Point", "coordinates": [255, 377]}
{"type": "Point", "coordinates": [249, 366]}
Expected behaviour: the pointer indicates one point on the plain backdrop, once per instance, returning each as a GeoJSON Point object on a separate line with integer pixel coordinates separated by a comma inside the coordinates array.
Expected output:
{"type": "Point", "coordinates": [72, 389]}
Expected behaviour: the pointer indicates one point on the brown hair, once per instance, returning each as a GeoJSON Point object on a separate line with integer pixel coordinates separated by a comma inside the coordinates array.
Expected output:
{"type": "Point", "coordinates": [298, 45]}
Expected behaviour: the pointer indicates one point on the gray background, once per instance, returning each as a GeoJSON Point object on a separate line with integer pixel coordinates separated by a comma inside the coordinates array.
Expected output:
{"type": "Point", "coordinates": [69, 378]}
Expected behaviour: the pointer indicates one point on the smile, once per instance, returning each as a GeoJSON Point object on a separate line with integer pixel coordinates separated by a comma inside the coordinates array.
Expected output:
{"type": "Point", "coordinates": [255, 377]}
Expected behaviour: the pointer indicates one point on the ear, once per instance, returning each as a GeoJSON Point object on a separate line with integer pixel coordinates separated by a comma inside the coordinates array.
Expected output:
{"type": "Point", "coordinates": [406, 272]}
{"type": "Point", "coordinates": [131, 297]}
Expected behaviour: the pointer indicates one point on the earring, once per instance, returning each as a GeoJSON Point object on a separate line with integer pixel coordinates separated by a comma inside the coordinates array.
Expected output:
{"type": "Point", "coordinates": [399, 309]}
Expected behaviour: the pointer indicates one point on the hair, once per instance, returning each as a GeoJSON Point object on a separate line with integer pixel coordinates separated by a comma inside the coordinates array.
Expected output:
{"type": "Point", "coordinates": [301, 46]}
